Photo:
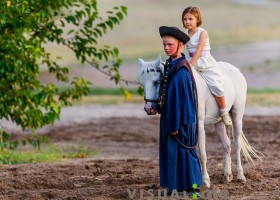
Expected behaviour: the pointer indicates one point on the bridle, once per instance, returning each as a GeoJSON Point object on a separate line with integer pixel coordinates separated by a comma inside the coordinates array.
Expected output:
{"type": "Point", "coordinates": [151, 100]}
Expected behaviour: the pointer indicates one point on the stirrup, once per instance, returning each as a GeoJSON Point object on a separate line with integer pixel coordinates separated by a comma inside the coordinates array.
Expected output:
{"type": "Point", "coordinates": [227, 120]}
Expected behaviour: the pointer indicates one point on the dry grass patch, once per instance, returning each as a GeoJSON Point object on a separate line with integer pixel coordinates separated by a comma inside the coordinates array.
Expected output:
{"type": "Point", "coordinates": [265, 99]}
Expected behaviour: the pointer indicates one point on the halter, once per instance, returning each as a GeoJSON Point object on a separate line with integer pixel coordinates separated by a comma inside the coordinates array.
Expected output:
{"type": "Point", "coordinates": [151, 100]}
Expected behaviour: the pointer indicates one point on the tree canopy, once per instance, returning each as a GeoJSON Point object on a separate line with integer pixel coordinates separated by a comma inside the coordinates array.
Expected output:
{"type": "Point", "coordinates": [25, 26]}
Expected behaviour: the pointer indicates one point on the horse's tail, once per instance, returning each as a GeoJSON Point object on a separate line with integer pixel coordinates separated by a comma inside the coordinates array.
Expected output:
{"type": "Point", "coordinates": [246, 149]}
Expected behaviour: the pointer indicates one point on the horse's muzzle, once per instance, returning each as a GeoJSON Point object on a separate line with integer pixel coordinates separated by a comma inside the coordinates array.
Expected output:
{"type": "Point", "coordinates": [150, 108]}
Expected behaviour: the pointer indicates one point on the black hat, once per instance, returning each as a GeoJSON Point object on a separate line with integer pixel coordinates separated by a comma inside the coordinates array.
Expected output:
{"type": "Point", "coordinates": [174, 32]}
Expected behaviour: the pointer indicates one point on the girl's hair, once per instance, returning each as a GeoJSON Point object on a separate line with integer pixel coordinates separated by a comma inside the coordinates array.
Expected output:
{"type": "Point", "coordinates": [195, 11]}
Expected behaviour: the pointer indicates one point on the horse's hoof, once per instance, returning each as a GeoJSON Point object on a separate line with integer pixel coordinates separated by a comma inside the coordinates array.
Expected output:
{"type": "Point", "coordinates": [226, 179]}
{"type": "Point", "coordinates": [207, 184]}
{"type": "Point", "coordinates": [241, 180]}
{"type": "Point", "coordinates": [230, 177]}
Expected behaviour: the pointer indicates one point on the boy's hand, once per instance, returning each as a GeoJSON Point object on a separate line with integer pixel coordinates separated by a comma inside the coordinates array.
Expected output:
{"type": "Point", "coordinates": [175, 133]}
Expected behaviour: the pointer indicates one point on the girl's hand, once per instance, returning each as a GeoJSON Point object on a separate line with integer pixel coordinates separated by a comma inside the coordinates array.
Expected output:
{"type": "Point", "coordinates": [175, 133]}
{"type": "Point", "coordinates": [190, 64]}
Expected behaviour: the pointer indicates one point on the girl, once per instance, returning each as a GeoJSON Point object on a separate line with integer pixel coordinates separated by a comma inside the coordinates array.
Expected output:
{"type": "Point", "coordinates": [199, 56]}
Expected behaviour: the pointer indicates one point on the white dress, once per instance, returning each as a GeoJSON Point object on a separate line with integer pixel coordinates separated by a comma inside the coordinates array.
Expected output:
{"type": "Point", "coordinates": [206, 65]}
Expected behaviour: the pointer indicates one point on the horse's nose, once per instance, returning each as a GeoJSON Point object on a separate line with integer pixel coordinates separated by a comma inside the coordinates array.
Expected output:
{"type": "Point", "coordinates": [149, 109]}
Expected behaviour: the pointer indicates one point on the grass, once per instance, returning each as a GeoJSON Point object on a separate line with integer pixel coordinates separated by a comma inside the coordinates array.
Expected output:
{"type": "Point", "coordinates": [109, 99]}
{"type": "Point", "coordinates": [264, 91]}
{"type": "Point", "coordinates": [104, 96]}
{"type": "Point", "coordinates": [110, 91]}
{"type": "Point", "coordinates": [254, 98]}
{"type": "Point", "coordinates": [107, 96]}
{"type": "Point", "coordinates": [270, 66]}
{"type": "Point", "coordinates": [49, 153]}
{"type": "Point", "coordinates": [263, 97]}
{"type": "Point", "coordinates": [98, 91]}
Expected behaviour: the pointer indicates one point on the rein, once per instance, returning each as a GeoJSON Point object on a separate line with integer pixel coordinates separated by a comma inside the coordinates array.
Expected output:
{"type": "Point", "coordinates": [185, 146]}
{"type": "Point", "coordinates": [181, 64]}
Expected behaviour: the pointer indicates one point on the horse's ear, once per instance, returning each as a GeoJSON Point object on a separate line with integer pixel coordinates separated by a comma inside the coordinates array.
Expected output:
{"type": "Point", "coordinates": [141, 62]}
{"type": "Point", "coordinates": [158, 61]}
{"type": "Point", "coordinates": [161, 67]}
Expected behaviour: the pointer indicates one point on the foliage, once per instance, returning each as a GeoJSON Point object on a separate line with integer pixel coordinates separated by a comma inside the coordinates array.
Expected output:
{"type": "Point", "coordinates": [35, 141]}
{"type": "Point", "coordinates": [25, 26]}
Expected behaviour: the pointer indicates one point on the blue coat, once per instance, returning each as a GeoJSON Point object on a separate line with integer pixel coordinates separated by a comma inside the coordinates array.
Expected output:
{"type": "Point", "coordinates": [179, 166]}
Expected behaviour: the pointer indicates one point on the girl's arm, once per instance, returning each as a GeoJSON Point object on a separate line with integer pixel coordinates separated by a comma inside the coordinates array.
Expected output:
{"type": "Point", "coordinates": [202, 39]}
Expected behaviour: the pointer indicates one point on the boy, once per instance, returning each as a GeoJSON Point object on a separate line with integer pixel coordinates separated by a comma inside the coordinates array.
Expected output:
{"type": "Point", "coordinates": [179, 163]}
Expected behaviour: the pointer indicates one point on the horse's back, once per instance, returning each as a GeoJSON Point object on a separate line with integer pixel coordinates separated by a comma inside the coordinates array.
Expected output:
{"type": "Point", "coordinates": [235, 87]}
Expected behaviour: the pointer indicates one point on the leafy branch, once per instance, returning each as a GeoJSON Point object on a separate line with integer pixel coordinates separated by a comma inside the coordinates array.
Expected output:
{"type": "Point", "coordinates": [25, 26]}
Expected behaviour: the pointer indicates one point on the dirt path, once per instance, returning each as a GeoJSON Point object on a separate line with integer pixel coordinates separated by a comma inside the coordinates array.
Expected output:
{"type": "Point", "coordinates": [128, 147]}
{"type": "Point", "coordinates": [91, 113]}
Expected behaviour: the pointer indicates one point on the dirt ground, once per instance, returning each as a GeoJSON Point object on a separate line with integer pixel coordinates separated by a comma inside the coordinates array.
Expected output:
{"type": "Point", "coordinates": [128, 161]}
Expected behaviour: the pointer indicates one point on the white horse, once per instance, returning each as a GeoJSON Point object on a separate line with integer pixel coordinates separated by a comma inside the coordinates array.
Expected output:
{"type": "Point", "coordinates": [149, 77]}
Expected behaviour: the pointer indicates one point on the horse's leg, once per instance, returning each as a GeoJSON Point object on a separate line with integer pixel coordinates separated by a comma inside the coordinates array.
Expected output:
{"type": "Point", "coordinates": [237, 124]}
{"type": "Point", "coordinates": [221, 130]}
{"type": "Point", "coordinates": [202, 153]}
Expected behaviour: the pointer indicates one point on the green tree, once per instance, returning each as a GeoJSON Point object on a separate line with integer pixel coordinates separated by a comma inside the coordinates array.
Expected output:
{"type": "Point", "coordinates": [25, 26]}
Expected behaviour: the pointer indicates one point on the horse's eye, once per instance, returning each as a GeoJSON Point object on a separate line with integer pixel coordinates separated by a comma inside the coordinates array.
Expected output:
{"type": "Point", "coordinates": [156, 82]}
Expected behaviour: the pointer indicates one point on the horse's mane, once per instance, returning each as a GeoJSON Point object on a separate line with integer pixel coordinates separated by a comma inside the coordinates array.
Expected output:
{"type": "Point", "coordinates": [144, 70]}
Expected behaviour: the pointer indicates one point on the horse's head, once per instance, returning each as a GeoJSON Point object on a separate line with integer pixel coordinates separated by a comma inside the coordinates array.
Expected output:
{"type": "Point", "coordinates": [149, 77]}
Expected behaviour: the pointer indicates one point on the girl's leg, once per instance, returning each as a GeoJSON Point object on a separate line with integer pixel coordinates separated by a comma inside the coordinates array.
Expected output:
{"type": "Point", "coordinates": [213, 80]}
{"type": "Point", "coordinates": [224, 114]}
